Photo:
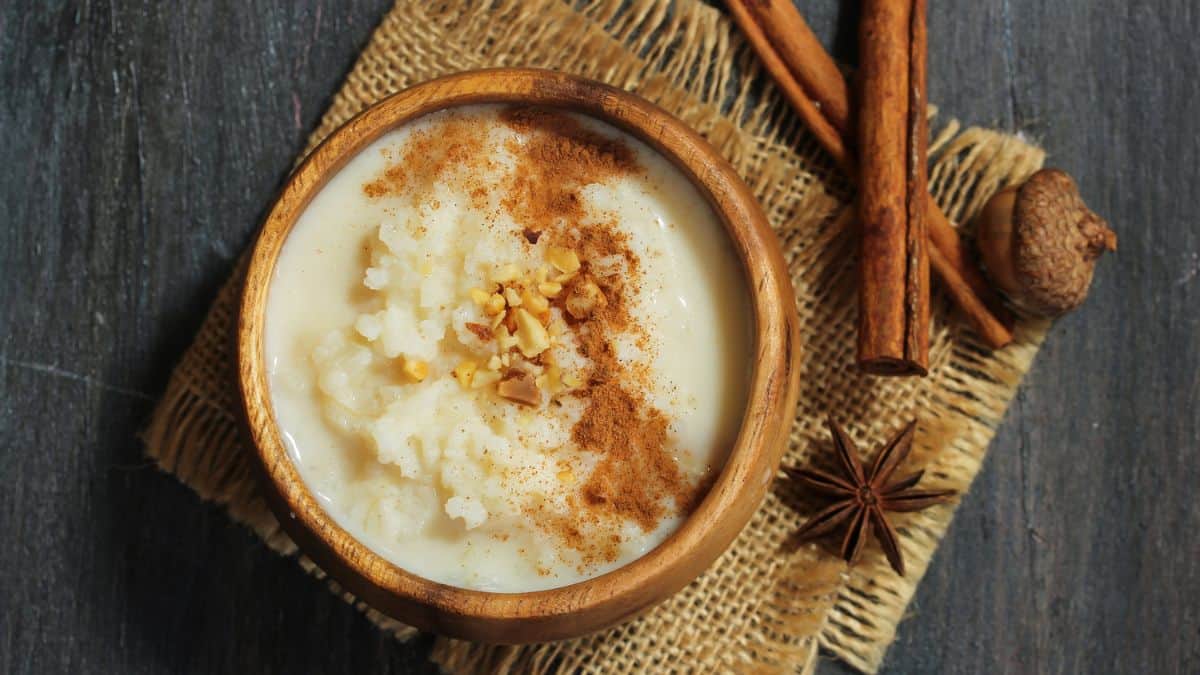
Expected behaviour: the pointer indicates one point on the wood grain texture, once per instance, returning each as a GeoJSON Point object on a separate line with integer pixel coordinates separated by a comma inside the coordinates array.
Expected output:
{"type": "Point", "coordinates": [145, 140]}
{"type": "Point", "coordinates": [739, 488]}
{"type": "Point", "coordinates": [961, 279]}
{"type": "Point", "coordinates": [892, 141]}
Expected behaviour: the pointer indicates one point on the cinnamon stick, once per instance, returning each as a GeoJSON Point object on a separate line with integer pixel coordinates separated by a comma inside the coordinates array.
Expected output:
{"type": "Point", "coordinates": [806, 79]}
{"type": "Point", "coordinates": [893, 323]}
{"type": "Point", "coordinates": [816, 71]}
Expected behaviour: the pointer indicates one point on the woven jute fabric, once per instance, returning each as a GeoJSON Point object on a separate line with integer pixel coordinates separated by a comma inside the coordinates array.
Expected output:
{"type": "Point", "coordinates": [765, 605]}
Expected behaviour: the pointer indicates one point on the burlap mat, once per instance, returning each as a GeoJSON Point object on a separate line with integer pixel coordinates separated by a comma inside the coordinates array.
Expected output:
{"type": "Point", "coordinates": [762, 607]}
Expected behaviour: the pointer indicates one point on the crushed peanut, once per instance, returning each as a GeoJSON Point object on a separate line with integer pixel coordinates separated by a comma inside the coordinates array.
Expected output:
{"type": "Point", "coordinates": [415, 369]}
{"type": "Point", "coordinates": [495, 304]}
{"type": "Point", "coordinates": [585, 298]}
{"type": "Point", "coordinates": [512, 297]}
{"type": "Point", "coordinates": [507, 273]}
{"type": "Point", "coordinates": [519, 307]}
{"type": "Point", "coordinates": [481, 331]}
{"type": "Point", "coordinates": [484, 378]}
{"type": "Point", "coordinates": [520, 387]}
{"type": "Point", "coordinates": [479, 296]}
{"type": "Point", "coordinates": [532, 338]}
{"type": "Point", "coordinates": [550, 381]}
{"type": "Point", "coordinates": [464, 372]}
{"type": "Point", "coordinates": [563, 259]}
{"type": "Point", "coordinates": [535, 302]}
{"type": "Point", "coordinates": [505, 340]}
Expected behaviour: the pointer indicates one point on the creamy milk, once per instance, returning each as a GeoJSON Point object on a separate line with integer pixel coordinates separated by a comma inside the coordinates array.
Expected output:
{"type": "Point", "coordinates": [508, 348]}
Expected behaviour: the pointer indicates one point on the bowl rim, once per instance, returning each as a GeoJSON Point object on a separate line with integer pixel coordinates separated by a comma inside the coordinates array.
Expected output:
{"type": "Point", "coordinates": [739, 486]}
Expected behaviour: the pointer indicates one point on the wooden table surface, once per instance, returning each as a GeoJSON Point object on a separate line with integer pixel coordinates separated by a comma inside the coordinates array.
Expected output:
{"type": "Point", "coordinates": [142, 142]}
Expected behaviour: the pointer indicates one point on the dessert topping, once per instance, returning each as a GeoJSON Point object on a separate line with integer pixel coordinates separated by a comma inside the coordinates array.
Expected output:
{"type": "Point", "coordinates": [415, 369]}
{"type": "Point", "coordinates": [464, 371]}
{"type": "Point", "coordinates": [520, 387]}
{"type": "Point", "coordinates": [564, 259]}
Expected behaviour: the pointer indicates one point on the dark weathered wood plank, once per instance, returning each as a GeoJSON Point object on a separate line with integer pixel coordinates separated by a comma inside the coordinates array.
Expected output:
{"type": "Point", "coordinates": [143, 141]}
{"type": "Point", "coordinates": [1071, 554]}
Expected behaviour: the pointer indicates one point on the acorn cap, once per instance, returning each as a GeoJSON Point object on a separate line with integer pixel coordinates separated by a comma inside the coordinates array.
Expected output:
{"type": "Point", "coordinates": [1056, 242]}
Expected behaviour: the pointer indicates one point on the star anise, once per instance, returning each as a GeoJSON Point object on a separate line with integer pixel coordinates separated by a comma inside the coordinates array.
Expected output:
{"type": "Point", "coordinates": [863, 497]}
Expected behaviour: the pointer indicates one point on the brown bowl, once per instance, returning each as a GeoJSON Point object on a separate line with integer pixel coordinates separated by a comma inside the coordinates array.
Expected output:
{"type": "Point", "coordinates": [589, 605]}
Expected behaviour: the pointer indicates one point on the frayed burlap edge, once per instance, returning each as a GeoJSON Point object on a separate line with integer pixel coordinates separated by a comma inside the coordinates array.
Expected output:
{"type": "Point", "coordinates": [761, 608]}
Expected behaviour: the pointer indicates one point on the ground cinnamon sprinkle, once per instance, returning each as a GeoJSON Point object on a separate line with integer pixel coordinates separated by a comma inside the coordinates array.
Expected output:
{"type": "Point", "coordinates": [455, 153]}
{"type": "Point", "coordinates": [481, 331]}
{"type": "Point", "coordinates": [636, 478]}
{"type": "Point", "coordinates": [602, 240]}
{"type": "Point", "coordinates": [592, 535]}
{"type": "Point", "coordinates": [559, 156]}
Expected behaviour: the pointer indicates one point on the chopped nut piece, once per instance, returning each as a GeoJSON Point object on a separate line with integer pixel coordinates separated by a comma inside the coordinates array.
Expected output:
{"type": "Point", "coordinates": [532, 338]}
{"type": "Point", "coordinates": [550, 289]}
{"type": "Point", "coordinates": [571, 380]}
{"type": "Point", "coordinates": [495, 304]}
{"type": "Point", "coordinates": [519, 387]}
{"type": "Point", "coordinates": [506, 273]}
{"type": "Point", "coordinates": [496, 321]}
{"type": "Point", "coordinates": [564, 259]}
{"type": "Point", "coordinates": [585, 298]}
{"type": "Point", "coordinates": [484, 333]}
{"type": "Point", "coordinates": [511, 296]}
{"type": "Point", "coordinates": [556, 328]}
{"type": "Point", "coordinates": [416, 369]}
{"type": "Point", "coordinates": [479, 296]}
{"type": "Point", "coordinates": [484, 378]}
{"type": "Point", "coordinates": [464, 372]}
{"type": "Point", "coordinates": [566, 476]}
{"type": "Point", "coordinates": [541, 274]}
{"type": "Point", "coordinates": [505, 339]}
{"type": "Point", "coordinates": [505, 360]}
{"type": "Point", "coordinates": [494, 363]}
{"type": "Point", "coordinates": [551, 380]}
{"type": "Point", "coordinates": [564, 278]}
{"type": "Point", "coordinates": [535, 302]}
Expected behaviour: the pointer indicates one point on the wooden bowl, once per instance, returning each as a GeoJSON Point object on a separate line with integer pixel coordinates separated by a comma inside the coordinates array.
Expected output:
{"type": "Point", "coordinates": [602, 601]}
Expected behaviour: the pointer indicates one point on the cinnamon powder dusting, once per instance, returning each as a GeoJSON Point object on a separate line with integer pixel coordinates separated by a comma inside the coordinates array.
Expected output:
{"type": "Point", "coordinates": [636, 474]}
{"type": "Point", "coordinates": [559, 156]}
{"type": "Point", "coordinates": [636, 478]}
{"type": "Point", "coordinates": [456, 153]}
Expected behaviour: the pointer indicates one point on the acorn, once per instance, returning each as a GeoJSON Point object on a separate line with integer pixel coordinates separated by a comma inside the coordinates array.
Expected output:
{"type": "Point", "coordinates": [1040, 242]}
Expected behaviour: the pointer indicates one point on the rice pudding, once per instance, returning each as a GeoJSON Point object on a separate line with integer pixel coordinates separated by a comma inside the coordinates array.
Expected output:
{"type": "Point", "coordinates": [508, 347]}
